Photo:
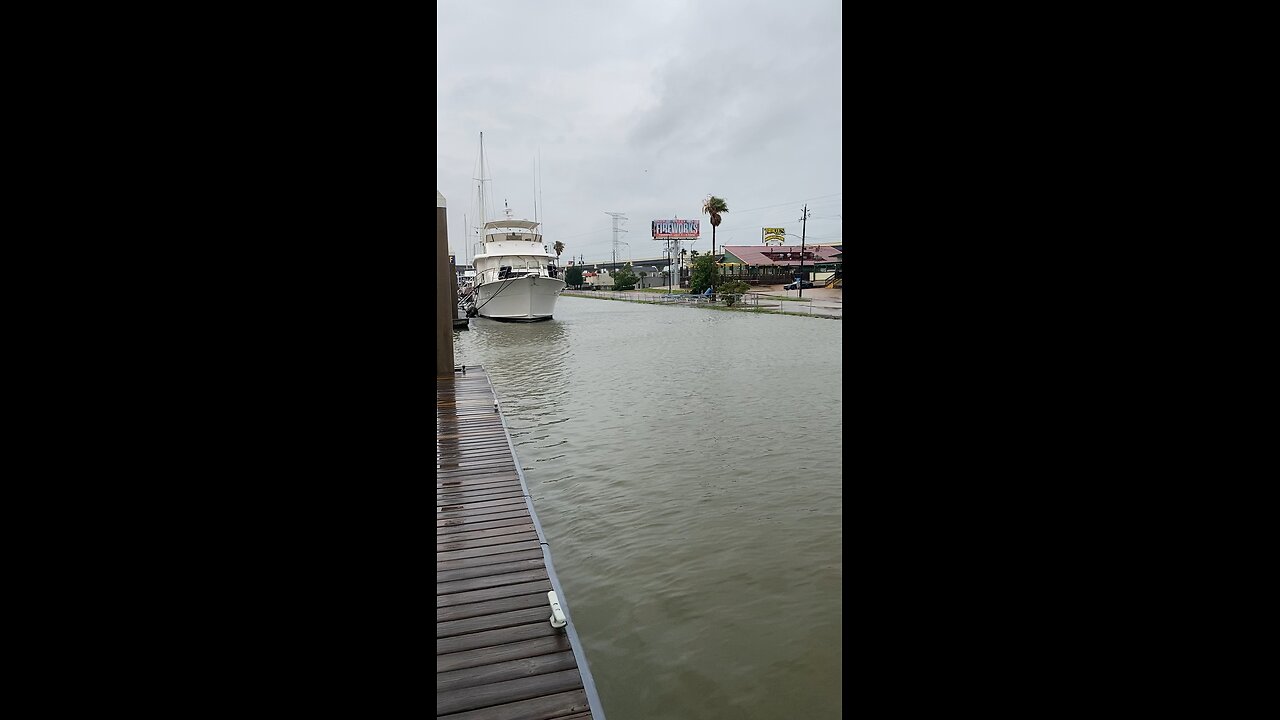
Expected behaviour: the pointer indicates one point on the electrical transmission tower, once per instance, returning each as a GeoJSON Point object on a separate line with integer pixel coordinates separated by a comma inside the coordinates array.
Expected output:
{"type": "Point", "coordinates": [617, 216]}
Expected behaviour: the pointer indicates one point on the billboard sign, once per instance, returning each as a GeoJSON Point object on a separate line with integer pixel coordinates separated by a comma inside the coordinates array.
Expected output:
{"type": "Point", "coordinates": [664, 229]}
{"type": "Point", "coordinates": [775, 235]}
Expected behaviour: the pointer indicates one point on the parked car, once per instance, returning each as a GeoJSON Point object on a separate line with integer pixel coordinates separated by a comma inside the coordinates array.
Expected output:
{"type": "Point", "coordinates": [793, 285]}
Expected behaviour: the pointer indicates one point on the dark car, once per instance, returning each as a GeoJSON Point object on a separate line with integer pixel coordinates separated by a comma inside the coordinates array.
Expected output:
{"type": "Point", "coordinates": [792, 285]}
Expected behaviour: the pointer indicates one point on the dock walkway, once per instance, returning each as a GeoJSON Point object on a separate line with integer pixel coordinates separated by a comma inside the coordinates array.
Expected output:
{"type": "Point", "coordinates": [497, 655]}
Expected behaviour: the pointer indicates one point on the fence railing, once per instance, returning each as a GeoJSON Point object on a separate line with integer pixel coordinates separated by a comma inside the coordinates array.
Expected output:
{"type": "Point", "coordinates": [747, 300]}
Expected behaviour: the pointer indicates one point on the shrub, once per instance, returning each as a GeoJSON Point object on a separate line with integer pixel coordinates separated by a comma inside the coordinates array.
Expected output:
{"type": "Point", "coordinates": [729, 290]}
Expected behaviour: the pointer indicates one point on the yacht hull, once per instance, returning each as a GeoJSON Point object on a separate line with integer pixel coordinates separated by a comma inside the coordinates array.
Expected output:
{"type": "Point", "coordinates": [525, 299]}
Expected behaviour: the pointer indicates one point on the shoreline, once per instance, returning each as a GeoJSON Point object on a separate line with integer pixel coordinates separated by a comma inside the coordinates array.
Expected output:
{"type": "Point", "coordinates": [771, 300]}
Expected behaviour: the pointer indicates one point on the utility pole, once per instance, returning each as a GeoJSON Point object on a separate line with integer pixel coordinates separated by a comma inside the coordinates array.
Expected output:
{"type": "Point", "coordinates": [616, 217]}
{"type": "Point", "coordinates": [674, 268]}
{"type": "Point", "coordinates": [803, 222]}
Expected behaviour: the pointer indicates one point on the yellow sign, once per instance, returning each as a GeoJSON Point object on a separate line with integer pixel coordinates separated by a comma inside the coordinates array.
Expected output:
{"type": "Point", "coordinates": [777, 235]}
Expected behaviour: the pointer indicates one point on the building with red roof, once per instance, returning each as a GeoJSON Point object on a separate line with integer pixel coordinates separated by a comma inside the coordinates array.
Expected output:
{"type": "Point", "coordinates": [769, 259]}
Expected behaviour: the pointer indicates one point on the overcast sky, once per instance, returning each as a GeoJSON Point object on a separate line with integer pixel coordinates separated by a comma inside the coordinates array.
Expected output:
{"type": "Point", "coordinates": [643, 108]}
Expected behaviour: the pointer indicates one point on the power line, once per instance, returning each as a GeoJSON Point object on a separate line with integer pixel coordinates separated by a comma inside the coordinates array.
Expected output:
{"type": "Point", "coordinates": [766, 207]}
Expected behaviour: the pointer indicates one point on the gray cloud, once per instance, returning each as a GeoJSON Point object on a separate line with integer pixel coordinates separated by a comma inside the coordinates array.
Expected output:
{"type": "Point", "coordinates": [642, 108]}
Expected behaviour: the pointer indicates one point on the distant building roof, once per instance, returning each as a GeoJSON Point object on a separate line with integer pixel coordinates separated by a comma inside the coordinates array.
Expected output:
{"type": "Point", "coordinates": [782, 254]}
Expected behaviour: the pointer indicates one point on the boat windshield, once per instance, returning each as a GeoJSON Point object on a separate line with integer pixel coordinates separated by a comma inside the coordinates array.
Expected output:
{"type": "Point", "coordinates": [503, 267]}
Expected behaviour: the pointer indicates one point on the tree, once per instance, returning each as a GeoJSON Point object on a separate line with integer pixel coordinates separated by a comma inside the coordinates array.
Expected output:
{"type": "Point", "coordinates": [559, 247]}
{"type": "Point", "coordinates": [624, 279]}
{"type": "Point", "coordinates": [713, 206]}
{"type": "Point", "coordinates": [703, 275]}
{"type": "Point", "coordinates": [573, 276]}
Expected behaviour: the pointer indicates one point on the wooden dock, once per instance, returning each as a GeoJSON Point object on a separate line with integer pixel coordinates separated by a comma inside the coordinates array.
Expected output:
{"type": "Point", "coordinates": [497, 655]}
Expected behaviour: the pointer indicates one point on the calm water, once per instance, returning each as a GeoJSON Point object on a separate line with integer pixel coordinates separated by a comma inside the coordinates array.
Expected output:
{"type": "Point", "coordinates": [685, 465]}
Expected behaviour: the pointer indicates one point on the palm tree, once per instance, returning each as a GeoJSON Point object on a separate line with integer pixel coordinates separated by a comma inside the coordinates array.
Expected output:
{"type": "Point", "coordinates": [559, 246]}
{"type": "Point", "coordinates": [713, 206]}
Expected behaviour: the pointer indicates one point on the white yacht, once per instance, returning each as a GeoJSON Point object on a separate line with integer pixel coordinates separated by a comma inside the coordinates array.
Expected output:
{"type": "Point", "coordinates": [516, 275]}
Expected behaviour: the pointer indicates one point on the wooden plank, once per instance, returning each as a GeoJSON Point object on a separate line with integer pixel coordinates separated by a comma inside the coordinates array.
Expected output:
{"type": "Point", "coordinates": [473, 562]}
{"type": "Point", "coordinates": [468, 431]}
{"type": "Point", "coordinates": [464, 535]}
{"type": "Point", "coordinates": [472, 466]}
{"type": "Point", "coordinates": [496, 473]}
{"type": "Point", "coordinates": [444, 546]}
{"type": "Point", "coordinates": [443, 521]}
{"type": "Point", "coordinates": [498, 636]}
{"type": "Point", "coordinates": [443, 493]}
{"type": "Point", "coordinates": [451, 530]}
{"type": "Point", "coordinates": [474, 435]}
{"type": "Point", "coordinates": [494, 607]}
{"type": "Point", "coordinates": [551, 707]}
{"type": "Point", "coordinates": [493, 580]}
{"type": "Point", "coordinates": [452, 498]}
{"type": "Point", "coordinates": [478, 485]}
{"type": "Point", "coordinates": [477, 462]}
{"type": "Point", "coordinates": [489, 654]}
{"type": "Point", "coordinates": [497, 446]}
{"type": "Point", "coordinates": [446, 482]}
{"type": "Point", "coordinates": [533, 563]}
{"type": "Point", "coordinates": [472, 439]}
{"type": "Point", "coordinates": [447, 512]}
{"type": "Point", "coordinates": [449, 497]}
{"type": "Point", "coordinates": [540, 586]}
{"type": "Point", "coordinates": [503, 671]}
{"type": "Point", "coordinates": [497, 451]}
{"type": "Point", "coordinates": [446, 508]}
{"type": "Point", "coordinates": [473, 552]}
{"type": "Point", "coordinates": [476, 469]}
{"type": "Point", "coordinates": [491, 466]}
{"type": "Point", "coordinates": [494, 622]}
{"type": "Point", "coordinates": [514, 507]}
{"type": "Point", "coordinates": [463, 480]}
{"type": "Point", "coordinates": [508, 691]}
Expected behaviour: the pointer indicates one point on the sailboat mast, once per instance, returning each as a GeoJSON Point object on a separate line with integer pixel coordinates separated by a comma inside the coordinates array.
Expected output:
{"type": "Point", "coordinates": [483, 218]}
